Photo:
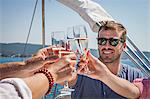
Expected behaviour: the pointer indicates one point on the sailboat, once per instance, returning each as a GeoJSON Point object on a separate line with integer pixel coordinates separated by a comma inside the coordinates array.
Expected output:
{"type": "Point", "coordinates": [132, 52]}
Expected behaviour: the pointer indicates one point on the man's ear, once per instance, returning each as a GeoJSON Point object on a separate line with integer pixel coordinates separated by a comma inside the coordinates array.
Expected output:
{"type": "Point", "coordinates": [124, 46]}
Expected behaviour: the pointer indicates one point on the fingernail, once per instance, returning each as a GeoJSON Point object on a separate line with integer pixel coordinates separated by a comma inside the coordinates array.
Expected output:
{"type": "Point", "coordinates": [80, 56]}
{"type": "Point", "coordinates": [88, 52]}
{"type": "Point", "coordinates": [87, 62]}
{"type": "Point", "coordinates": [43, 57]}
{"type": "Point", "coordinates": [57, 60]}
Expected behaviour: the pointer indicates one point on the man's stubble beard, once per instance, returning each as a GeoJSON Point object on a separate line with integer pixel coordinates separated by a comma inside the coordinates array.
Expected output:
{"type": "Point", "coordinates": [112, 60]}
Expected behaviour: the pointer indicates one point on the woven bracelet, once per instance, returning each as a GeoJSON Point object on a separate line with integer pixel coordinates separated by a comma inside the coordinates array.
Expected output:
{"type": "Point", "coordinates": [49, 77]}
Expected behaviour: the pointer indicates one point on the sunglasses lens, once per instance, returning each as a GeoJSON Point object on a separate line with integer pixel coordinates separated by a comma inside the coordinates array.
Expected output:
{"type": "Point", "coordinates": [102, 41]}
{"type": "Point", "coordinates": [114, 42]}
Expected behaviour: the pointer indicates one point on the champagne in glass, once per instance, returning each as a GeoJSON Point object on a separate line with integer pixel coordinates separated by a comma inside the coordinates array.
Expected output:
{"type": "Point", "coordinates": [72, 45]}
{"type": "Point", "coordinates": [59, 40]}
{"type": "Point", "coordinates": [77, 37]}
{"type": "Point", "coordinates": [81, 42]}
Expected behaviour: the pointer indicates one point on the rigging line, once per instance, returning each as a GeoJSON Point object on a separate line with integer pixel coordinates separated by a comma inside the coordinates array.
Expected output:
{"type": "Point", "coordinates": [140, 52]}
{"type": "Point", "coordinates": [25, 46]}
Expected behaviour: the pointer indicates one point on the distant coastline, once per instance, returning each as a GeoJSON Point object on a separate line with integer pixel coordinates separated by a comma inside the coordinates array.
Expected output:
{"type": "Point", "coordinates": [17, 50]}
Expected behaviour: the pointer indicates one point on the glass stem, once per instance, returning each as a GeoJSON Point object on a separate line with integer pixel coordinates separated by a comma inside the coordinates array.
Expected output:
{"type": "Point", "coordinates": [66, 84]}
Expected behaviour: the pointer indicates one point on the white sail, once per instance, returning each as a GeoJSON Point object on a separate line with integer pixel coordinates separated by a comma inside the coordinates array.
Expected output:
{"type": "Point", "coordinates": [90, 11]}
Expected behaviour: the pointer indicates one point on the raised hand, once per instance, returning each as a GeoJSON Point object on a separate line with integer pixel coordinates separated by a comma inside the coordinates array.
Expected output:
{"type": "Point", "coordinates": [98, 69]}
{"type": "Point", "coordinates": [45, 52]}
{"type": "Point", "coordinates": [62, 68]}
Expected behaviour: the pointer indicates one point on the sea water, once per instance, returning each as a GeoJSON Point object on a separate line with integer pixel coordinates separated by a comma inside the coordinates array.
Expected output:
{"type": "Point", "coordinates": [11, 59]}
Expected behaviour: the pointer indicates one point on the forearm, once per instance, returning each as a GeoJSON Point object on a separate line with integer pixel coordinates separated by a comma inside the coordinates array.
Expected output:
{"type": "Point", "coordinates": [33, 87]}
{"type": "Point", "coordinates": [18, 69]}
{"type": "Point", "coordinates": [10, 69]}
{"type": "Point", "coordinates": [38, 84]}
{"type": "Point", "coordinates": [121, 86]}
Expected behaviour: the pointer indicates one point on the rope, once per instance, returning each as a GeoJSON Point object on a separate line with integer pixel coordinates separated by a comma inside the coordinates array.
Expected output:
{"type": "Point", "coordinates": [25, 46]}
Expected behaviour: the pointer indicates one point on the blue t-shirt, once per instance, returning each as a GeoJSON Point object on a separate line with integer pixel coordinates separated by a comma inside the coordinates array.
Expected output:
{"type": "Point", "coordinates": [88, 88]}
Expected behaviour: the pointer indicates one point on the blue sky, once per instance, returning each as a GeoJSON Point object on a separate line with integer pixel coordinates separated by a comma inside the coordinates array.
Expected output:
{"type": "Point", "coordinates": [15, 18]}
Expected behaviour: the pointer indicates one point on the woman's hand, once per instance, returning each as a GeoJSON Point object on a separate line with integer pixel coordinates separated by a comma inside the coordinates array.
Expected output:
{"type": "Point", "coordinates": [45, 52]}
{"type": "Point", "coordinates": [62, 68]}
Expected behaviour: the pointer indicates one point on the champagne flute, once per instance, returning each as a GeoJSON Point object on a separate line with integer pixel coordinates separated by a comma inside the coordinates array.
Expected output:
{"type": "Point", "coordinates": [60, 41]}
{"type": "Point", "coordinates": [81, 38]}
{"type": "Point", "coordinates": [58, 38]}
{"type": "Point", "coordinates": [71, 44]}
{"type": "Point", "coordinates": [81, 43]}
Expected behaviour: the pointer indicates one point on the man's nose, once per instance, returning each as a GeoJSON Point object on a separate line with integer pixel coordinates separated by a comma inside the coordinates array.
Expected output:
{"type": "Point", "coordinates": [107, 45]}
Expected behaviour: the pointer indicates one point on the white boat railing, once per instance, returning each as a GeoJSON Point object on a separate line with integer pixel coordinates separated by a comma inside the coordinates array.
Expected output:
{"type": "Point", "coordinates": [138, 57]}
{"type": "Point", "coordinates": [144, 58]}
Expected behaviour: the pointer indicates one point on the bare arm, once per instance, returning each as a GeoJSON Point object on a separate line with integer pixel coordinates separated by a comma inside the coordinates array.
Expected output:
{"type": "Point", "coordinates": [28, 67]}
{"type": "Point", "coordinates": [23, 69]}
{"type": "Point", "coordinates": [32, 87]}
{"type": "Point", "coordinates": [60, 70]}
{"type": "Point", "coordinates": [102, 73]}
{"type": "Point", "coordinates": [11, 68]}
{"type": "Point", "coordinates": [121, 86]}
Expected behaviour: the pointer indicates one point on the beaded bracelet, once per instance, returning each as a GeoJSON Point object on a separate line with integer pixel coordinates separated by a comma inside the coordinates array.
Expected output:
{"type": "Point", "coordinates": [49, 77]}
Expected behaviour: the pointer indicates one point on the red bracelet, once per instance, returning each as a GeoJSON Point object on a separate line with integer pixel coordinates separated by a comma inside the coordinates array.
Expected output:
{"type": "Point", "coordinates": [49, 77]}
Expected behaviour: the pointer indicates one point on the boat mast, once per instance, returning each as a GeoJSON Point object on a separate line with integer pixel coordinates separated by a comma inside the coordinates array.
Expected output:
{"type": "Point", "coordinates": [43, 23]}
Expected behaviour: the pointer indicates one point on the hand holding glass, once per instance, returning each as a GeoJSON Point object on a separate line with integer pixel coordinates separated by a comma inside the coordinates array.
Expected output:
{"type": "Point", "coordinates": [59, 40]}
{"type": "Point", "coordinates": [79, 42]}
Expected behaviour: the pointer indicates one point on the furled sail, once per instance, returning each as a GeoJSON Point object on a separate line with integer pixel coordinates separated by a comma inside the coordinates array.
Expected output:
{"type": "Point", "coordinates": [90, 11]}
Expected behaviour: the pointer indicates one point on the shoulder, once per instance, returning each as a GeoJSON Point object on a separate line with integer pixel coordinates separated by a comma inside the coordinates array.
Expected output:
{"type": "Point", "coordinates": [143, 85]}
{"type": "Point", "coordinates": [128, 68]}
{"type": "Point", "coordinates": [130, 73]}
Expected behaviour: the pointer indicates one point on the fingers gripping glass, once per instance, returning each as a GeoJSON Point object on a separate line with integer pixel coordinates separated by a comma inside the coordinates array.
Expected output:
{"type": "Point", "coordinates": [80, 44]}
{"type": "Point", "coordinates": [112, 41]}
{"type": "Point", "coordinates": [59, 40]}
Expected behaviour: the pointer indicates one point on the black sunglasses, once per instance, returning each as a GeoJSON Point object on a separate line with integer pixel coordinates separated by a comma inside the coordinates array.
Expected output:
{"type": "Point", "coordinates": [112, 41]}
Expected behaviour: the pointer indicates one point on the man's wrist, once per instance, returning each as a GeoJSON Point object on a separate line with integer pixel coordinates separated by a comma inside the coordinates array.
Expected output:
{"type": "Point", "coordinates": [106, 76]}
